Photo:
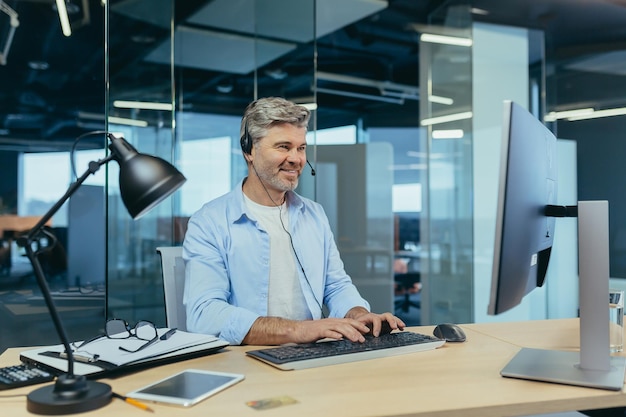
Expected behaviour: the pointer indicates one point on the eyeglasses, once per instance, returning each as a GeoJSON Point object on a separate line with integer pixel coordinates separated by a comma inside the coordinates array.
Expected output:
{"type": "Point", "coordinates": [143, 330]}
{"type": "Point", "coordinates": [120, 329]}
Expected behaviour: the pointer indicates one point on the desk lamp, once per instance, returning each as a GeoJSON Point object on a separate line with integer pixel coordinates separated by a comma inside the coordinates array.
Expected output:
{"type": "Point", "coordinates": [144, 182]}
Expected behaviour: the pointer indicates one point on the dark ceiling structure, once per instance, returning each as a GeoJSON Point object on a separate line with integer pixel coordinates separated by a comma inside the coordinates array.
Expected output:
{"type": "Point", "coordinates": [52, 87]}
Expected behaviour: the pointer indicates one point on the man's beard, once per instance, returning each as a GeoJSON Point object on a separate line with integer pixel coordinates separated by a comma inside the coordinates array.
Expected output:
{"type": "Point", "coordinates": [276, 182]}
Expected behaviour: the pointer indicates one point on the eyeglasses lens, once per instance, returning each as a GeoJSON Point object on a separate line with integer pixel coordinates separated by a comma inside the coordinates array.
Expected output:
{"type": "Point", "coordinates": [117, 329]}
{"type": "Point", "coordinates": [145, 330]}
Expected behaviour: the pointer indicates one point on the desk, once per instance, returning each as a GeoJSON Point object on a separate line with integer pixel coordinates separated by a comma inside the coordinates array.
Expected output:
{"type": "Point", "coordinates": [455, 380]}
{"type": "Point", "coordinates": [16, 223]}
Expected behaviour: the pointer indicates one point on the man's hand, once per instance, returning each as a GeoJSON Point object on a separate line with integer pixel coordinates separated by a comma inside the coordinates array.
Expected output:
{"type": "Point", "coordinates": [276, 331]}
{"type": "Point", "coordinates": [333, 328]}
{"type": "Point", "coordinates": [376, 323]}
{"type": "Point", "coordinates": [357, 323]}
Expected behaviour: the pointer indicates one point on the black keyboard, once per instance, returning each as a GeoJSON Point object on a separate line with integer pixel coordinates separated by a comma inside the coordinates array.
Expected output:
{"type": "Point", "coordinates": [22, 375]}
{"type": "Point", "coordinates": [309, 355]}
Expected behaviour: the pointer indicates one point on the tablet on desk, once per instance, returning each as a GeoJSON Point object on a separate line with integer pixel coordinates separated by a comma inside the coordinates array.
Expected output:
{"type": "Point", "coordinates": [186, 388]}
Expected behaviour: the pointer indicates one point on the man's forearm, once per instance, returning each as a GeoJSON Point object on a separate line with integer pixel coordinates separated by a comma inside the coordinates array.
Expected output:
{"type": "Point", "coordinates": [271, 331]}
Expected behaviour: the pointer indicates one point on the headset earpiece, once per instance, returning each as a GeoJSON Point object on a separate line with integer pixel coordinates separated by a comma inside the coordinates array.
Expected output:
{"type": "Point", "coordinates": [246, 141]}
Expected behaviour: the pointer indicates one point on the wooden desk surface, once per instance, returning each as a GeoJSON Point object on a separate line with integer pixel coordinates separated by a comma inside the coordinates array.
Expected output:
{"type": "Point", "coordinates": [455, 380]}
{"type": "Point", "coordinates": [19, 223]}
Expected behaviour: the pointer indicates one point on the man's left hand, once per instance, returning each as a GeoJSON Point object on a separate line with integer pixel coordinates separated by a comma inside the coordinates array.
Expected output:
{"type": "Point", "coordinates": [377, 323]}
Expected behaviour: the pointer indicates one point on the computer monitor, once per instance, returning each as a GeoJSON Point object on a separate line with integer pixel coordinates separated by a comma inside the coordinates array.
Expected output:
{"type": "Point", "coordinates": [528, 183]}
{"type": "Point", "coordinates": [525, 223]}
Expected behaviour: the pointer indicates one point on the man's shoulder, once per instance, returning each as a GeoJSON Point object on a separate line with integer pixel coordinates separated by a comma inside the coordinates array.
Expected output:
{"type": "Point", "coordinates": [225, 202]}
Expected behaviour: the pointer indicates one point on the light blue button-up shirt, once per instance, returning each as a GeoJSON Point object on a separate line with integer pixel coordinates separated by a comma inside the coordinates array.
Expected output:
{"type": "Point", "coordinates": [227, 257]}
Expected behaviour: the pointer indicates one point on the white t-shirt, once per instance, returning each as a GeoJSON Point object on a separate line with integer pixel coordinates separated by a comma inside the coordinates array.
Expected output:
{"type": "Point", "coordinates": [285, 297]}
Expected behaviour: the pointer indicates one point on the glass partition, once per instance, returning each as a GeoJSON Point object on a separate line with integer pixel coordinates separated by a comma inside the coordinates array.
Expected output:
{"type": "Point", "coordinates": [140, 106]}
{"type": "Point", "coordinates": [206, 61]}
{"type": "Point", "coordinates": [467, 69]}
{"type": "Point", "coordinates": [377, 234]}
{"type": "Point", "coordinates": [446, 114]}
{"type": "Point", "coordinates": [39, 158]}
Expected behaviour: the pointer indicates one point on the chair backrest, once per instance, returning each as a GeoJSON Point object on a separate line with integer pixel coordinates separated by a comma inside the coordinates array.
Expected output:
{"type": "Point", "coordinates": [173, 270]}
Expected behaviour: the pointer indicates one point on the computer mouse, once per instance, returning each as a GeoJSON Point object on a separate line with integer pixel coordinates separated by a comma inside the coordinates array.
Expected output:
{"type": "Point", "coordinates": [449, 332]}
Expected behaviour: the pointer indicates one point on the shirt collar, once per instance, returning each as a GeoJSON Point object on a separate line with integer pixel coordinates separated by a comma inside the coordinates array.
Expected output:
{"type": "Point", "coordinates": [238, 211]}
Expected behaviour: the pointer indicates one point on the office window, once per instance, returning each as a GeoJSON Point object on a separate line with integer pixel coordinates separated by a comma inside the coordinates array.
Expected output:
{"type": "Point", "coordinates": [406, 198]}
{"type": "Point", "coordinates": [203, 161]}
{"type": "Point", "coordinates": [342, 135]}
{"type": "Point", "coordinates": [45, 176]}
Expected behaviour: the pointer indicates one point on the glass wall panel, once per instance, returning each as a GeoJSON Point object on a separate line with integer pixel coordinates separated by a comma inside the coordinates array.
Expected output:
{"type": "Point", "coordinates": [140, 106]}
{"type": "Point", "coordinates": [467, 70]}
{"type": "Point", "coordinates": [378, 99]}
{"type": "Point", "coordinates": [446, 111]}
{"type": "Point", "coordinates": [207, 60]}
{"type": "Point", "coordinates": [45, 107]}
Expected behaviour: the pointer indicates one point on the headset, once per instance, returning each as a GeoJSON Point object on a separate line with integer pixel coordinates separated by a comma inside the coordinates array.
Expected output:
{"type": "Point", "coordinates": [246, 141]}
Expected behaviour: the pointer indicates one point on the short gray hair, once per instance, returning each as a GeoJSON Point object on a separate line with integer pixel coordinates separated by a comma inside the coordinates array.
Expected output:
{"type": "Point", "coordinates": [264, 113]}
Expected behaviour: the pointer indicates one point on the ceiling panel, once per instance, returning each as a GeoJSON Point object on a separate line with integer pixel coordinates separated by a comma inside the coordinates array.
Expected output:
{"type": "Point", "coordinates": [284, 19]}
{"type": "Point", "coordinates": [217, 51]}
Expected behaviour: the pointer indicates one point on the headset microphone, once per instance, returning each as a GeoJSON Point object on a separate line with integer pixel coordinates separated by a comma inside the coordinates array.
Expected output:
{"type": "Point", "coordinates": [312, 170]}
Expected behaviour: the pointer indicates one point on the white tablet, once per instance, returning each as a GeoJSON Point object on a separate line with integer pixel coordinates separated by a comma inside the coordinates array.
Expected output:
{"type": "Point", "coordinates": [186, 388]}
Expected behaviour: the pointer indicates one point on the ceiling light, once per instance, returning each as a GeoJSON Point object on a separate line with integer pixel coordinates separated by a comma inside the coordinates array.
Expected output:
{"type": "Point", "coordinates": [476, 10]}
{"type": "Point", "coordinates": [446, 118]}
{"type": "Point", "coordinates": [128, 122]}
{"type": "Point", "coordinates": [309, 106]}
{"type": "Point", "coordinates": [441, 100]}
{"type": "Point", "coordinates": [64, 18]}
{"type": "Point", "coordinates": [143, 105]}
{"type": "Point", "coordinates": [446, 40]}
{"type": "Point", "coordinates": [276, 74]}
{"type": "Point", "coordinates": [113, 119]}
{"type": "Point", "coordinates": [584, 114]}
{"type": "Point", "coordinates": [619, 111]}
{"type": "Point", "coordinates": [448, 134]}
{"type": "Point", "coordinates": [555, 115]}
{"type": "Point", "coordinates": [38, 65]}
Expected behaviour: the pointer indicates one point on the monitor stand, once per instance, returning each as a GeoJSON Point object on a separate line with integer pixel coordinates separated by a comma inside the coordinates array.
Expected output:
{"type": "Point", "coordinates": [593, 366]}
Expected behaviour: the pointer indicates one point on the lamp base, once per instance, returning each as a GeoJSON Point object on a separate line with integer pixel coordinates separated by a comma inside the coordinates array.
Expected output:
{"type": "Point", "coordinates": [69, 395]}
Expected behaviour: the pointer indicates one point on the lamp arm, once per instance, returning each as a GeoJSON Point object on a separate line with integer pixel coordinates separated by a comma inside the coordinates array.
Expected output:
{"type": "Point", "coordinates": [26, 243]}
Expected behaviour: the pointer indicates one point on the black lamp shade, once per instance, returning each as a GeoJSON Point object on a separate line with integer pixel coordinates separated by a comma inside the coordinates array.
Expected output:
{"type": "Point", "coordinates": [145, 180]}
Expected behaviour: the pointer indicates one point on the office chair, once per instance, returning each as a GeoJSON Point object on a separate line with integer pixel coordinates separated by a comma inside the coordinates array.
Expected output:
{"type": "Point", "coordinates": [406, 284]}
{"type": "Point", "coordinates": [173, 271]}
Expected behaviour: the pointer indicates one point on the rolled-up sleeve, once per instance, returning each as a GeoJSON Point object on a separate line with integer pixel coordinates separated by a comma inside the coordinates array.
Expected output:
{"type": "Point", "coordinates": [208, 295]}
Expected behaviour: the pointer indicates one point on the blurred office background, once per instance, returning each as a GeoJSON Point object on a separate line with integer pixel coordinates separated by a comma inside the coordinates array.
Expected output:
{"type": "Point", "coordinates": [405, 134]}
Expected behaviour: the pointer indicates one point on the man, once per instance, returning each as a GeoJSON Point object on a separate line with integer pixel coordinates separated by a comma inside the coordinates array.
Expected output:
{"type": "Point", "coordinates": [261, 261]}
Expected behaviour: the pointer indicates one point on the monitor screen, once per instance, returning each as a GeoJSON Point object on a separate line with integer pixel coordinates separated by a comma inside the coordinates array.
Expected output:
{"type": "Point", "coordinates": [527, 184]}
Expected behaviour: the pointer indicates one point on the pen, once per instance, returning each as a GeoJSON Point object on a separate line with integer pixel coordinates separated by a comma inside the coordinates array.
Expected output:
{"type": "Point", "coordinates": [168, 334]}
{"type": "Point", "coordinates": [134, 402]}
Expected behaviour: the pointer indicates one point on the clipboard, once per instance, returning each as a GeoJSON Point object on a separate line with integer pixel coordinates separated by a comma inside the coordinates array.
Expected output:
{"type": "Point", "coordinates": [103, 357]}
